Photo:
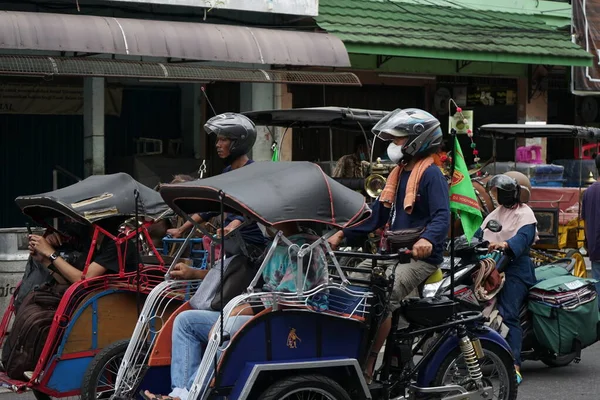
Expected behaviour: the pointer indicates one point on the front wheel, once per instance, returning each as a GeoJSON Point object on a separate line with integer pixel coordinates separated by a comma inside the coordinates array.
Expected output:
{"type": "Point", "coordinates": [314, 387]}
{"type": "Point", "coordinates": [496, 365]}
{"type": "Point", "coordinates": [100, 378]}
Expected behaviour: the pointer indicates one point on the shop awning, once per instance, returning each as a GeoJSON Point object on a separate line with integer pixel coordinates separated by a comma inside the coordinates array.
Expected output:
{"type": "Point", "coordinates": [402, 29]}
{"type": "Point", "coordinates": [169, 39]}
{"type": "Point", "coordinates": [44, 66]}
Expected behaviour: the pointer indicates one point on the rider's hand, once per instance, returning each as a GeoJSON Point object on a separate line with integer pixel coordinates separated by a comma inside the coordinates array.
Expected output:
{"type": "Point", "coordinates": [230, 227]}
{"type": "Point", "coordinates": [174, 232]}
{"type": "Point", "coordinates": [40, 245]}
{"type": "Point", "coordinates": [54, 239]}
{"type": "Point", "coordinates": [182, 271]}
{"type": "Point", "coordinates": [422, 249]}
{"type": "Point", "coordinates": [497, 246]}
{"type": "Point", "coordinates": [336, 240]}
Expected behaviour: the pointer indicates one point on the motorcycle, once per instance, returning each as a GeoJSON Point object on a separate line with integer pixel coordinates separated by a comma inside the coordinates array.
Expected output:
{"type": "Point", "coordinates": [467, 257]}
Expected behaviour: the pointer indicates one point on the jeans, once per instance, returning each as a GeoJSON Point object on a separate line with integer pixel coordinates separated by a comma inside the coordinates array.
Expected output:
{"type": "Point", "coordinates": [190, 336]}
{"type": "Point", "coordinates": [511, 298]}
{"type": "Point", "coordinates": [596, 276]}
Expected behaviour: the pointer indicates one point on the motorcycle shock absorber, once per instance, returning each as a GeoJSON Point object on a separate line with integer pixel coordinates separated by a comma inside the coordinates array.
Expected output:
{"type": "Point", "coordinates": [470, 357]}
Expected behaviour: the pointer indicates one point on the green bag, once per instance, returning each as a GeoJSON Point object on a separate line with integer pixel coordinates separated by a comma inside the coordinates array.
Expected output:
{"type": "Point", "coordinates": [564, 309]}
{"type": "Point", "coordinates": [549, 271]}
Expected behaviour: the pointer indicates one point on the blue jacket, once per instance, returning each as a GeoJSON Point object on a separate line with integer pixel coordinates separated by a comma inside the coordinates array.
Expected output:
{"type": "Point", "coordinates": [431, 210]}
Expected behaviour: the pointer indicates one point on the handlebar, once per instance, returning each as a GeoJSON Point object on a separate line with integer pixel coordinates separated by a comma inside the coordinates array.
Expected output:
{"type": "Point", "coordinates": [403, 255]}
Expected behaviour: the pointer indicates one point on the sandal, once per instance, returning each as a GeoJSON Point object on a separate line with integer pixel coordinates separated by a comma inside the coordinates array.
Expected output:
{"type": "Point", "coordinates": [519, 377]}
{"type": "Point", "coordinates": [154, 396]}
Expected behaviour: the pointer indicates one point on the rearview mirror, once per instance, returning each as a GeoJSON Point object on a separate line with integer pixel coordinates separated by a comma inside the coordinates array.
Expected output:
{"type": "Point", "coordinates": [494, 226]}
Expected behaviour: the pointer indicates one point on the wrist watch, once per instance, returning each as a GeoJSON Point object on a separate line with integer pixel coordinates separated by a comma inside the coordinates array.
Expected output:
{"type": "Point", "coordinates": [53, 256]}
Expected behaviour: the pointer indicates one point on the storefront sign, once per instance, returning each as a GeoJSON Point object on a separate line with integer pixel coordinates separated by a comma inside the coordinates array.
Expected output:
{"type": "Point", "coordinates": [52, 99]}
{"type": "Point", "coordinates": [586, 21]}
{"type": "Point", "coordinates": [490, 96]}
{"type": "Point", "coordinates": [296, 7]}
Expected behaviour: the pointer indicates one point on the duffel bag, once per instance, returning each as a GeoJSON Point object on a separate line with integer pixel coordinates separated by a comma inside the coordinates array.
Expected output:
{"type": "Point", "coordinates": [564, 311]}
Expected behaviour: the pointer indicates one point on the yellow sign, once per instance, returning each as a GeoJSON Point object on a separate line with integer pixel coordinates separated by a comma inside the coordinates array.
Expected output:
{"type": "Point", "coordinates": [46, 99]}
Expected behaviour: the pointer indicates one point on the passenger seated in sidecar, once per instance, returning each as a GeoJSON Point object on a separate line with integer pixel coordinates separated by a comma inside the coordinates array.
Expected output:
{"type": "Point", "coordinates": [192, 328]}
{"type": "Point", "coordinates": [104, 260]}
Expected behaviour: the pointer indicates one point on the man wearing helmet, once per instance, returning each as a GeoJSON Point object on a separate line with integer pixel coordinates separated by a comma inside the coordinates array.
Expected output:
{"type": "Point", "coordinates": [512, 190]}
{"type": "Point", "coordinates": [415, 196]}
{"type": "Point", "coordinates": [236, 134]}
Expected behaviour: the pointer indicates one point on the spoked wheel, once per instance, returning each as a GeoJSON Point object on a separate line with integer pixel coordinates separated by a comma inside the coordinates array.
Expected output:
{"type": "Point", "coordinates": [496, 366]}
{"type": "Point", "coordinates": [101, 376]}
{"type": "Point", "coordinates": [305, 387]}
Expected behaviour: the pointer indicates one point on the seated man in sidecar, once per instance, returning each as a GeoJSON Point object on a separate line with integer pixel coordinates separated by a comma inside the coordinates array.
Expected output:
{"type": "Point", "coordinates": [192, 328]}
{"type": "Point", "coordinates": [105, 259]}
{"type": "Point", "coordinates": [415, 198]}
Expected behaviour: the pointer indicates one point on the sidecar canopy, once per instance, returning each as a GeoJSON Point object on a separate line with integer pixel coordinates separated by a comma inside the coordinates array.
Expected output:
{"type": "Point", "coordinates": [351, 119]}
{"type": "Point", "coordinates": [271, 193]}
{"type": "Point", "coordinates": [95, 198]}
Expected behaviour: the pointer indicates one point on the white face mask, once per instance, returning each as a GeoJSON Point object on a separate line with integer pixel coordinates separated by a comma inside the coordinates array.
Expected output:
{"type": "Point", "coordinates": [394, 152]}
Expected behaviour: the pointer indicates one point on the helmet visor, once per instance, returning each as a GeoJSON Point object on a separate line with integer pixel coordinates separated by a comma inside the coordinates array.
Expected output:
{"type": "Point", "coordinates": [502, 182]}
{"type": "Point", "coordinates": [403, 122]}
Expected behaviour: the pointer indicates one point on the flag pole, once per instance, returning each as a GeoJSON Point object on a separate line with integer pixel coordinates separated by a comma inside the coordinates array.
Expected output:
{"type": "Point", "coordinates": [452, 216]}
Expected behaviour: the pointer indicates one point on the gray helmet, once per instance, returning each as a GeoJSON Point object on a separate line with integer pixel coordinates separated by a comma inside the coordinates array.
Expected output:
{"type": "Point", "coordinates": [422, 129]}
{"type": "Point", "coordinates": [236, 127]}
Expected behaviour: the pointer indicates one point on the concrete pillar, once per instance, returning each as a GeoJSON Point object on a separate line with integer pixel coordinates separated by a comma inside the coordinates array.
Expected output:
{"type": "Point", "coordinates": [93, 126]}
{"type": "Point", "coordinates": [193, 135]}
{"type": "Point", "coordinates": [534, 110]}
{"type": "Point", "coordinates": [255, 97]}
{"type": "Point", "coordinates": [283, 100]}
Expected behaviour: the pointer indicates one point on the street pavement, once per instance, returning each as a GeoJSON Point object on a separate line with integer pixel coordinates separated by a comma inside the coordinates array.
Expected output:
{"type": "Point", "coordinates": [574, 382]}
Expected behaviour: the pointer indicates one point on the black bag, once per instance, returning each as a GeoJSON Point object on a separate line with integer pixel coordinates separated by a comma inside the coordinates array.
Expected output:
{"type": "Point", "coordinates": [403, 238]}
{"type": "Point", "coordinates": [37, 275]}
{"type": "Point", "coordinates": [24, 344]}
{"type": "Point", "coordinates": [236, 278]}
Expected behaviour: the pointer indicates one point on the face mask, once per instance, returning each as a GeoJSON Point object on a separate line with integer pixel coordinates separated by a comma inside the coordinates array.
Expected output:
{"type": "Point", "coordinates": [394, 152]}
{"type": "Point", "coordinates": [505, 198]}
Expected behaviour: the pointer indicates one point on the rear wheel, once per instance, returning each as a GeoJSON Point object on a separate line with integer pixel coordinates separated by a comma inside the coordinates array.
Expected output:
{"type": "Point", "coordinates": [100, 378]}
{"type": "Point", "coordinates": [497, 368]}
{"type": "Point", "coordinates": [313, 387]}
{"type": "Point", "coordinates": [560, 361]}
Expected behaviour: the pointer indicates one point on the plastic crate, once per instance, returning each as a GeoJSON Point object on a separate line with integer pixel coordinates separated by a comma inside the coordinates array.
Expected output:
{"type": "Point", "coordinates": [198, 256]}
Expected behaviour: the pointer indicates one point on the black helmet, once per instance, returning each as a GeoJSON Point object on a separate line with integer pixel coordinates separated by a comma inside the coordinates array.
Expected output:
{"type": "Point", "coordinates": [422, 129]}
{"type": "Point", "coordinates": [507, 188]}
{"type": "Point", "coordinates": [236, 127]}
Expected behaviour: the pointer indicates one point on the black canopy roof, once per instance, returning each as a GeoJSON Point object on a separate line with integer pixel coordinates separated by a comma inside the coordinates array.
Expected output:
{"type": "Point", "coordinates": [513, 131]}
{"type": "Point", "coordinates": [319, 117]}
{"type": "Point", "coordinates": [95, 198]}
{"type": "Point", "coordinates": [272, 192]}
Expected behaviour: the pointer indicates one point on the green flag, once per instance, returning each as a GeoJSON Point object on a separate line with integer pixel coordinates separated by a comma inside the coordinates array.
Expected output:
{"type": "Point", "coordinates": [462, 195]}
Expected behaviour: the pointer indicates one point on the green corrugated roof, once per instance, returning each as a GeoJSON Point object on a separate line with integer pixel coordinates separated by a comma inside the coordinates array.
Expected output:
{"type": "Point", "coordinates": [430, 31]}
